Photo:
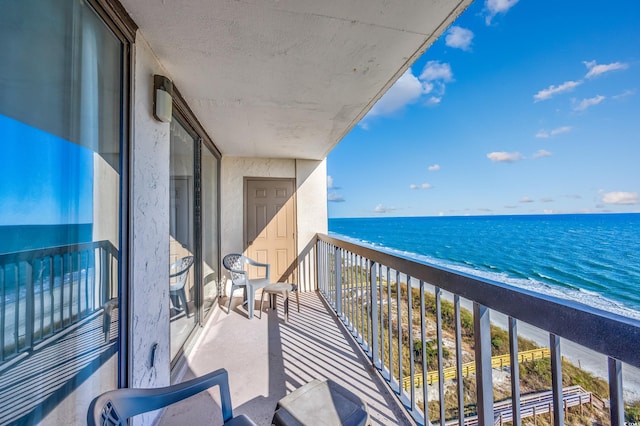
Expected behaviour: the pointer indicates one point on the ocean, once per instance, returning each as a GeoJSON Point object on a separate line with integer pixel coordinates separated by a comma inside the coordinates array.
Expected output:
{"type": "Point", "coordinates": [590, 258]}
{"type": "Point", "coordinates": [30, 237]}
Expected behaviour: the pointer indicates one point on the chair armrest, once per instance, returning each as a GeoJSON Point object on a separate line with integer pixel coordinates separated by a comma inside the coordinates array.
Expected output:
{"type": "Point", "coordinates": [129, 402]}
{"type": "Point", "coordinates": [260, 265]}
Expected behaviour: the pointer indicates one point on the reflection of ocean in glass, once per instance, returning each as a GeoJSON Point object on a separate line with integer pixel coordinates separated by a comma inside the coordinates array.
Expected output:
{"type": "Point", "coordinates": [31, 237]}
{"type": "Point", "coordinates": [24, 238]}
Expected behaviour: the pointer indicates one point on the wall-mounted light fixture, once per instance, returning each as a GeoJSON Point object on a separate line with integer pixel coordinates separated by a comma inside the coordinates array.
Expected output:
{"type": "Point", "coordinates": [162, 98]}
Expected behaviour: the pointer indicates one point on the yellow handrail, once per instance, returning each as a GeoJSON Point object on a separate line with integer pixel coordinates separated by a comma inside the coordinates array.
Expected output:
{"type": "Point", "coordinates": [498, 361]}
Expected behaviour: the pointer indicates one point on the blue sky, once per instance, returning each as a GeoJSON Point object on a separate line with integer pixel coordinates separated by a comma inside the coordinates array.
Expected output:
{"type": "Point", "coordinates": [44, 180]}
{"type": "Point", "coordinates": [521, 107]}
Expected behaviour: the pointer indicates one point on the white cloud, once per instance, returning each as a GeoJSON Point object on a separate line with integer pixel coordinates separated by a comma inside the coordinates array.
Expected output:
{"type": "Point", "coordinates": [495, 7]}
{"type": "Point", "coordinates": [437, 71]}
{"type": "Point", "coordinates": [620, 198]}
{"type": "Point", "coordinates": [546, 200]}
{"type": "Point", "coordinates": [406, 90]}
{"type": "Point", "coordinates": [382, 209]}
{"type": "Point", "coordinates": [560, 130]}
{"type": "Point", "coordinates": [335, 197]}
{"type": "Point", "coordinates": [434, 168]}
{"type": "Point", "coordinates": [329, 182]}
{"type": "Point", "coordinates": [459, 38]}
{"type": "Point", "coordinates": [552, 90]}
{"type": "Point", "coordinates": [624, 94]}
{"type": "Point", "coordinates": [542, 153]}
{"type": "Point", "coordinates": [504, 157]}
{"type": "Point", "coordinates": [423, 186]}
{"type": "Point", "coordinates": [589, 102]}
{"type": "Point", "coordinates": [526, 200]}
{"type": "Point", "coordinates": [544, 134]}
{"type": "Point", "coordinates": [596, 70]}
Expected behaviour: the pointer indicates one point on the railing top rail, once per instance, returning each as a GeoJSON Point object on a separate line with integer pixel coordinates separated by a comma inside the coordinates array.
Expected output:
{"type": "Point", "coordinates": [28, 255]}
{"type": "Point", "coordinates": [605, 332]}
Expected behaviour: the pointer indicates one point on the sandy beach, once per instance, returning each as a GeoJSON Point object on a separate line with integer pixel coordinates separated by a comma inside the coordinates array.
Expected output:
{"type": "Point", "coordinates": [584, 358]}
{"type": "Point", "coordinates": [578, 355]}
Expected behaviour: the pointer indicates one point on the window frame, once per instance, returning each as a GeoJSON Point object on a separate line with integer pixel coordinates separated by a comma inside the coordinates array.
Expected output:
{"type": "Point", "coordinates": [118, 21]}
{"type": "Point", "coordinates": [187, 117]}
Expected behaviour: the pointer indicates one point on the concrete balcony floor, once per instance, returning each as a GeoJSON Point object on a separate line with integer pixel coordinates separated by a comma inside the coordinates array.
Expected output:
{"type": "Point", "coordinates": [268, 358]}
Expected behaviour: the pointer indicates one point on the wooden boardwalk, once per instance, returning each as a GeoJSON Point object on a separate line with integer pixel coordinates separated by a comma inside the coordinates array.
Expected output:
{"type": "Point", "coordinates": [469, 368]}
{"type": "Point", "coordinates": [533, 405]}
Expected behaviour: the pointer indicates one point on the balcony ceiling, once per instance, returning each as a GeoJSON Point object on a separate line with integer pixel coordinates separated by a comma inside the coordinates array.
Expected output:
{"type": "Point", "coordinates": [287, 78]}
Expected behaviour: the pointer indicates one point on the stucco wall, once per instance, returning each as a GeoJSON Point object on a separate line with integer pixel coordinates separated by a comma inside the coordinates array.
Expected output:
{"type": "Point", "coordinates": [106, 193]}
{"type": "Point", "coordinates": [311, 200]}
{"type": "Point", "coordinates": [149, 232]}
{"type": "Point", "coordinates": [312, 216]}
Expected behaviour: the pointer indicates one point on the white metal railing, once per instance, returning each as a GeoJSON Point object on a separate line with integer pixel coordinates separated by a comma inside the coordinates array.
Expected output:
{"type": "Point", "coordinates": [375, 294]}
{"type": "Point", "coordinates": [45, 291]}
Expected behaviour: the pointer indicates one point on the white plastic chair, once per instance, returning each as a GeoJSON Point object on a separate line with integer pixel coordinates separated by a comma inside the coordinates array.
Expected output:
{"type": "Point", "coordinates": [180, 271]}
{"type": "Point", "coordinates": [236, 265]}
{"type": "Point", "coordinates": [113, 408]}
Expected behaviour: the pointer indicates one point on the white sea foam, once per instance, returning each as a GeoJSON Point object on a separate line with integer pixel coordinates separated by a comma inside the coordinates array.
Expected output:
{"type": "Point", "coordinates": [586, 297]}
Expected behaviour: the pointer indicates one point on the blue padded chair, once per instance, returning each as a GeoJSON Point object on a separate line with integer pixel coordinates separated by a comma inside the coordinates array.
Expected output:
{"type": "Point", "coordinates": [235, 264]}
{"type": "Point", "coordinates": [180, 271]}
{"type": "Point", "coordinates": [113, 408]}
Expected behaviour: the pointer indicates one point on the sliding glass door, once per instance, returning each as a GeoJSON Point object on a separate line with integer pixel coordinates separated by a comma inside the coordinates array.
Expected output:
{"type": "Point", "coordinates": [182, 228]}
{"type": "Point", "coordinates": [194, 231]}
{"type": "Point", "coordinates": [210, 223]}
{"type": "Point", "coordinates": [62, 102]}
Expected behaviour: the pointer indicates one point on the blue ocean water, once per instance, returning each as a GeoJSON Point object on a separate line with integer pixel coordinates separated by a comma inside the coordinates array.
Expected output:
{"type": "Point", "coordinates": [590, 258]}
{"type": "Point", "coordinates": [19, 238]}
{"type": "Point", "coordinates": [30, 237]}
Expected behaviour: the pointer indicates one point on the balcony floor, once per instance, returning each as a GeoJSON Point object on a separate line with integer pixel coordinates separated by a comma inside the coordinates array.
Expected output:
{"type": "Point", "coordinates": [268, 358]}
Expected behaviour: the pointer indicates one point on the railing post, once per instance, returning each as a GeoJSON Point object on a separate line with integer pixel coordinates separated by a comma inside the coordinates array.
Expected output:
{"type": "Point", "coordinates": [373, 309]}
{"type": "Point", "coordinates": [460, 387]}
{"type": "Point", "coordinates": [30, 306]}
{"type": "Point", "coordinates": [318, 267]}
{"type": "Point", "coordinates": [104, 276]}
{"type": "Point", "coordinates": [484, 381]}
{"type": "Point", "coordinates": [515, 371]}
{"type": "Point", "coordinates": [425, 373]}
{"type": "Point", "coordinates": [615, 392]}
{"type": "Point", "coordinates": [438, 296]}
{"type": "Point", "coordinates": [338, 262]}
{"type": "Point", "coordinates": [556, 379]}
{"type": "Point", "coordinates": [412, 390]}
{"type": "Point", "coordinates": [399, 328]}
{"type": "Point", "coordinates": [2, 311]}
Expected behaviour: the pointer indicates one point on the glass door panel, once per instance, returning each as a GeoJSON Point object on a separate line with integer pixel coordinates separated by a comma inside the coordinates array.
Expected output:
{"type": "Point", "coordinates": [61, 85]}
{"type": "Point", "coordinates": [210, 235]}
{"type": "Point", "coordinates": [182, 291]}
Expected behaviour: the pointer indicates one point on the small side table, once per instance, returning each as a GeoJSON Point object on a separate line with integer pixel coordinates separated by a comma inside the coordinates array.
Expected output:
{"type": "Point", "coordinates": [321, 402]}
{"type": "Point", "coordinates": [282, 289]}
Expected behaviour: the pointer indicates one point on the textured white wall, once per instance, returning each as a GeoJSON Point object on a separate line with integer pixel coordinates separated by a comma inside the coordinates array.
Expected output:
{"type": "Point", "coordinates": [233, 172]}
{"type": "Point", "coordinates": [311, 196]}
{"type": "Point", "coordinates": [312, 216]}
{"type": "Point", "coordinates": [106, 191]}
{"type": "Point", "coordinates": [149, 232]}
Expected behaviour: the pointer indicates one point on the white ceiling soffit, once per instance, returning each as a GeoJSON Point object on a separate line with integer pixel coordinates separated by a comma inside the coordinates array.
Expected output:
{"type": "Point", "coordinates": [287, 78]}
